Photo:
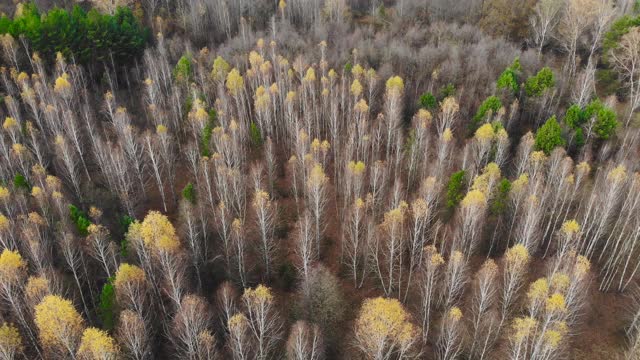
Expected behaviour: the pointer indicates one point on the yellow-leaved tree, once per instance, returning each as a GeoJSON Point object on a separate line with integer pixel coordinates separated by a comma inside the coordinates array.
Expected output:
{"type": "Point", "coordinates": [96, 344]}
{"type": "Point", "coordinates": [131, 288]}
{"type": "Point", "coordinates": [156, 242]}
{"type": "Point", "coordinates": [10, 342]}
{"type": "Point", "coordinates": [59, 324]}
{"type": "Point", "coordinates": [384, 326]}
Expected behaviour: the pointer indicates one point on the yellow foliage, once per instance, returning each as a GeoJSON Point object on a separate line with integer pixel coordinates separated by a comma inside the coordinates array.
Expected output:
{"type": "Point", "coordinates": [538, 157]}
{"type": "Point", "coordinates": [419, 208]}
{"type": "Point", "coordinates": [523, 327]}
{"type": "Point", "coordinates": [235, 82]}
{"type": "Point", "coordinates": [260, 294]}
{"type": "Point", "coordinates": [236, 225]}
{"type": "Point", "coordinates": [255, 59]}
{"type": "Point", "coordinates": [266, 67]}
{"type": "Point", "coordinates": [474, 198]}
{"type": "Point", "coordinates": [387, 319]}
{"type": "Point", "coordinates": [127, 274]}
{"type": "Point", "coordinates": [10, 338]}
{"type": "Point", "coordinates": [9, 123]}
{"type": "Point", "coordinates": [424, 116]}
{"type": "Point", "coordinates": [456, 257]}
{"type": "Point", "coordinates": [560, 281]}
{"type": "Point", "coordinates": [36, 191]}
{"type": "Point", "coordinates": [517, 255]}
{"type": "Point", "coordinates": [552, 338]}
{"type": "Point", "coordinates": [261, 199]}
{"type": "Point", "coordinates": [62, 85]}
{"type": "Point", "coordinates": [310, 76]}
{"type": "Point", "coordinates": [362, 106]}
{"type": "Point", "coordinates": [582, 265]}
{"type": "Point", "coordinates": [556, 303]}
{"type": "Point", "coordinates": [484, 133]}
{"type": "Point", "coordinates": [570, 228]}
{"type": "Point", "coordinates": [237, 321]}
{"type": "Point", "coordinates": [436, 259]}
{"type": "Point", "coordinates": [583, 168]}
{"type": "Point", "coordinates": [356, 168]}
{"type": "Point", "coordinates": [490, 173]}
{"type": "Point", "coordinates": [317, 177]}
{"type": "Point", "coordinates": [357, 71]}
{"type": "Point", "coordinates": [356, 88]}
{"type": "Point", "coordinates": [12, 267]}
{"type": "Point", "coordinates": [18, 149]}
{"type": "Point", "coordinates": [35, 219]}
{"type": "Point", "coordinates": [520, 183]}
{"type": "Point", "coordinates": [489, 267]}
{"type": "Point", "coordinates": [455, 313]}
{"type": "Point", "coordinates": [395, 86]}
{"type": "Point", "coordinates": [449, 105]}
{"type": "Point", "coordinates": [618, 174]}
{"type": "Point", "coordinates": [447, 135]}
{"type": "Point", "coordinates": [57, 319]}
{"type": "Point", "coordinates": [502, 134]}
{"type": "Point", "coordinates": [538, 290]}
{"type": "Point", "coordinates": [394, 216]}
{"type": "Point", "coordinates": [36, 288]}
{"type": "Point", "coordinates": [291, 96]}
{"type": "Point", "coordinates": [156, 231]}
{"type": "Point", "coordinates": [96, 344]}
{"type": "Point", "coordinates": [4, 223]}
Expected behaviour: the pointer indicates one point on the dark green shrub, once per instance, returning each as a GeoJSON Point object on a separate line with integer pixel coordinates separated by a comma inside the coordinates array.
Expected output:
{"type": "Point", "coordinates": [106, 308]}
{"type": "Point", "coordinates": [455, 189]}
{"type": "Point", "coordinates": [189, 193]}
{"type": "Point", "coordinates": [549, 136]}
{"type": "Point", "coordinates": [80, 219]}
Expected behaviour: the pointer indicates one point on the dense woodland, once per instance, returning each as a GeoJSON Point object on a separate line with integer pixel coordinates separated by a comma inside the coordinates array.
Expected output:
{"type": "Point", "coordinates": [320, 179]}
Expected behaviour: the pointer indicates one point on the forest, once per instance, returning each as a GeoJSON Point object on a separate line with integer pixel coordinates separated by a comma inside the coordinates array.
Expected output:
{"type": "Point", "coordinates": [320, 179]}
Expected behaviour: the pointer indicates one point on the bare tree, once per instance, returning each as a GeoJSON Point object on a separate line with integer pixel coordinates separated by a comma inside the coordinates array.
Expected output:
{"type": "Point", "coordinates": [545, 18]}
{"type": "Point", "coordinates": [133, 335]}
{"type": "Point", "coordinates": [626, 59]}
{"type": "Point", "coordinates": [305, 342]}
{"type": "Point", "coordinates": [265, 211]}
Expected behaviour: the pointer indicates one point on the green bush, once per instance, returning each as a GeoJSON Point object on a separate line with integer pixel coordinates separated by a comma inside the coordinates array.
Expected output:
{"type": "Point", "coordinates": [428, 101]}
{"type": "Point", "coordinates": [183, 70]}
{"type": "Point", "coordinates": [207, 131]}
{"type": "Point", "coordinates": [606, 123]}
{"type": "Point", "coordinates": [536, 85]}
{"type": "Point", "coordinates": [255, 135]}
{"type": "Point", "coordinates": [125, 221]}
{"type": "Point", "coordinates": [509, 77]}
{"type": "Point", "coordinates": [87, 37]}
{"type": "Point", "coordinates": [549, 136]}
{"type": "Point", "coordinates": [106, 308]}
{"type": "Point", "coordinates": [618, 29]}
{"type": "Point", "coordinates": [605, 119]}
{"type": "Point", "coordinates": [455, 189]}
{"type": "Point", "coordinates": [446, 91]}
{"type": "Point", "coordinates": [492, 103]}
{"type": "Point", "coordinates": [501, 199]}
{"type": "Point", "coordinates": [189, 193]}
{"type": "Point", "coordinates": [80, 219]}
{"type": "Point", "coordinates": [20, 182]}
